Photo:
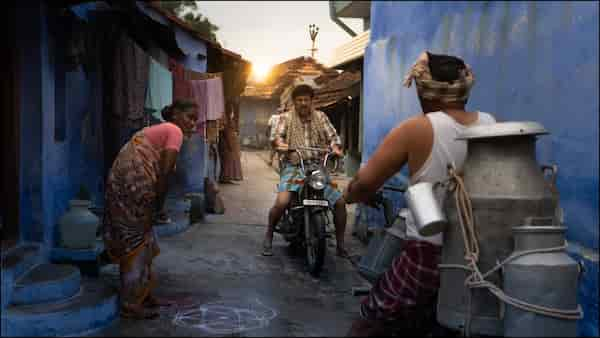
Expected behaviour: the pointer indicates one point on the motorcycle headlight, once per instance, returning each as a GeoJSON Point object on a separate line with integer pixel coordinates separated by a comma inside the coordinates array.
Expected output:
{"type": "Point", "coordinates": [318, 180]}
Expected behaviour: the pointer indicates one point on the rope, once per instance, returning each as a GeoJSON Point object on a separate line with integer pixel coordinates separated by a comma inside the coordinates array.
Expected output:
{"type": "Point", "coordinates": [477, 279]}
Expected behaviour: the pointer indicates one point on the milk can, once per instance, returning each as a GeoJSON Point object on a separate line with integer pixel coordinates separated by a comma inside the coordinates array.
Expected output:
{"type": "Point", "coordinates": [505, 185]}
{"type": "Point", "coordinates": [384, 246]}
{"type": "Point", "coordinates": [544, 279]}
{"type": "Point", "coordinates": [78, 226]}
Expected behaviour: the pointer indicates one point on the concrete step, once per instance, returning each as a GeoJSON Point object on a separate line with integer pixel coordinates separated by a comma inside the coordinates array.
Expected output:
{"type": "Point", "coordinates": [15, 263]}
{"type": "Point", "coordinates": [46, 283]}
{"type": "Point", "coordinates": [93, 308]}
{"type": "Point", "coordinates": [84, 259]}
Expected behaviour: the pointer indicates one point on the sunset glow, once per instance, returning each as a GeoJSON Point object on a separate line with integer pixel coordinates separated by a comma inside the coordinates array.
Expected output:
{"type": "Point", "coordinates": [260, 71]}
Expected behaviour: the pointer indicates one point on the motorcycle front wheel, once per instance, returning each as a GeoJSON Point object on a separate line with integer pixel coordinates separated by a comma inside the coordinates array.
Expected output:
{"type": "Point", "coordinates": [314, 223]}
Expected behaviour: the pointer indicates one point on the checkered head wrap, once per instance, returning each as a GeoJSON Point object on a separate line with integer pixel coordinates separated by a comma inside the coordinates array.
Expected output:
{"type": "Point", "coordinates": [428, 88]}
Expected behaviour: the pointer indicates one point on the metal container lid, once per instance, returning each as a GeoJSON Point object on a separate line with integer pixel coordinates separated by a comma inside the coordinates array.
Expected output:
{"type": "Point", "coordinates": [502, 129]}
{"type": "Point", "coordinates": [539, 228]}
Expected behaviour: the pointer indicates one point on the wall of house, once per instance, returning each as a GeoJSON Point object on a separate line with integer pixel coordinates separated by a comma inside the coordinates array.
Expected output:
{"type": "Point", "coordinates": [60, 132]}
{"type": "Point", "coordinates": [532, 61]}
{"type": "Point", "coordinates": [254, 116]}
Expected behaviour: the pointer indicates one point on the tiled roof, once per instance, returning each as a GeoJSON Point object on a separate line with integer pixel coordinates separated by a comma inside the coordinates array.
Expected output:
{"type": "Point", "coordinates": [336, 89]}
{"type": "Point", "coordinates": [284, 74]}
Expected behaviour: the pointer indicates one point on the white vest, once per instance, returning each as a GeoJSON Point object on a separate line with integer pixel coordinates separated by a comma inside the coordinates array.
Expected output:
{"type": "Point", "coordinates": [446, 150]}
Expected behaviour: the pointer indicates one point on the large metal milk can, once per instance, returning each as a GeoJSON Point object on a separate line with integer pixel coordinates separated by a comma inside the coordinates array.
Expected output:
{"type": "Point", "coordinates": [505, 185]}
{"type": "Point", "coordinates": [548, 279]}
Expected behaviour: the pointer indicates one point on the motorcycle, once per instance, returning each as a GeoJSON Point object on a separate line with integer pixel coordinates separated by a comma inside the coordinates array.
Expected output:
{"type": "Point", "coordinates": [307, 219]}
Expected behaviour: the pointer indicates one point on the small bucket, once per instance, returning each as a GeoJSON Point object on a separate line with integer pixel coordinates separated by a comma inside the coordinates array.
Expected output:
{"type": "Point", "coordinates": [429, 217]}
{"type": "Point", "coordinates": [383, 247]}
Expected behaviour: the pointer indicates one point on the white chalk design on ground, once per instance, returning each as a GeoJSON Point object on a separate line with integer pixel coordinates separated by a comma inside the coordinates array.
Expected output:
{"type": "Point", "coordinates": [226, 317]}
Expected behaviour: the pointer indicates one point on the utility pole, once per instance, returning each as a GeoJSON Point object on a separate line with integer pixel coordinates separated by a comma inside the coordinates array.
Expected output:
{"type": "Point", "coordinates": [313, 30]}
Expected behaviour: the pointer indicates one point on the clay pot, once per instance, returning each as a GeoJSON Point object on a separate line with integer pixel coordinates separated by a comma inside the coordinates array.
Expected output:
{"type": "Point", "coordinates": [78, 226]}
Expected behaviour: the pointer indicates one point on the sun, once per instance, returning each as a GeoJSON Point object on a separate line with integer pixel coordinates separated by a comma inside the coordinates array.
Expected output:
{"type": "Point", "coordinates": [260, 71]}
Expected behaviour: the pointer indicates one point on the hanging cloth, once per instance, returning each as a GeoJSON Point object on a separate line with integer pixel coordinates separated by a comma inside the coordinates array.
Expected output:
{"type": "Point", "coordinates": [216, 99]}
{"type": "Point", "coordinates": [131, 69]}
{"type": "Point", "coordinates": [181, 86]}
{"type": "Point", "coordinates": [160, 89]}
{"type": "Point", "coordinates": [199, 97]}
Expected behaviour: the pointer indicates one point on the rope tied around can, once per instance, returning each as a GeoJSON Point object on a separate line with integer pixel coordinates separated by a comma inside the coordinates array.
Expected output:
{"type": "Point", "coordinates": [477, 279]}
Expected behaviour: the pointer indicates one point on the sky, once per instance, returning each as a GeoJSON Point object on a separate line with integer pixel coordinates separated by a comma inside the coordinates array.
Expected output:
{"type": "Point", "coordinates": [270, 32]}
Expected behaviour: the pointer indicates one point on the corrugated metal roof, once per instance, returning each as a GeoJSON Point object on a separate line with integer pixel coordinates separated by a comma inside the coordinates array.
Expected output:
{"type": "Point", "coordinates": [352, 50]}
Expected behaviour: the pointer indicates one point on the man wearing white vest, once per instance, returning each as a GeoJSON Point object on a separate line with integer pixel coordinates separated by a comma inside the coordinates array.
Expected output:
{"type": "Point", "coordinates": [427, 144]}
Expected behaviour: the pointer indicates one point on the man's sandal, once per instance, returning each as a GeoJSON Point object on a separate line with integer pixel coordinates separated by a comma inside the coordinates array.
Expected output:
{"type": "Point", "coordinates": [267, 249]}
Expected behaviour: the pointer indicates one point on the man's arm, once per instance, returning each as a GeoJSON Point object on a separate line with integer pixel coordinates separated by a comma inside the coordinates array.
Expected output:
{"type": "Point", "coordinates": [388, 159]}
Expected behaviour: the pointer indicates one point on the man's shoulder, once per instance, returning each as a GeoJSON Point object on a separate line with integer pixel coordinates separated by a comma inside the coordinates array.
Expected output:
{"type": "Point", "coordinates": [320, 114]}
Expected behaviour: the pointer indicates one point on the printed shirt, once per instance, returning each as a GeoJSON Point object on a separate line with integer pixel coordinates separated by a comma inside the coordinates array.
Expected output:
{"type": "Point", "coordinates": [280, 131]}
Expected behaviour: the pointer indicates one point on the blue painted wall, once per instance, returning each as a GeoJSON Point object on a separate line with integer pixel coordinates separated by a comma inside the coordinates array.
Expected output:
{"type": "Point", "coordinates": [52, 170]}
{"type": "Point", "coordinates": [532, 61]}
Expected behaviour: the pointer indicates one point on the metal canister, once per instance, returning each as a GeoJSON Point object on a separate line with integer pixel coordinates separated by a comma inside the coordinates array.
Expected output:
{"type": "Point", "coordinates": [384, 246]}
{"type": "Point", "coordinates": [505, 185]}
{"type": "Point", "coordinates": [427, 213]}
{"type": "Point", "coordinates": [544, 279]}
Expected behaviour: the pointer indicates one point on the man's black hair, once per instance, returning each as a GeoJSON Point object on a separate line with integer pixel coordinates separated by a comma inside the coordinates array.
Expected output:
{"type": "Point", "coordinates": [303, 89]}
{"type": "Point", "coordinates": [445, 68]}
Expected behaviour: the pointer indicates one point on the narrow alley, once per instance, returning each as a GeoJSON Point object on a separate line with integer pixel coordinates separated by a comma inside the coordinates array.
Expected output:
{"type": "Point", "coordinates": [202, 266]}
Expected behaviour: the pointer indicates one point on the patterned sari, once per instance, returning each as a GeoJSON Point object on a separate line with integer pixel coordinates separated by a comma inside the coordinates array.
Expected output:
{"type": "Point", "coordinates": [127, 225]}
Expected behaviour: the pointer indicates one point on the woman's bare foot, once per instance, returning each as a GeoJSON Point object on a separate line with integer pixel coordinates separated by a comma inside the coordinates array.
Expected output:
{"type": "Point", "coordinates": [152, 301]}
{"type": "Point", "coordinates": [138, 312]}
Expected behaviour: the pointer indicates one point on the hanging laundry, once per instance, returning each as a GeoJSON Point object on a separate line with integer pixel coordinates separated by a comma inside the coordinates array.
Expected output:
{"type": "Point", "coordinates": [181, 86]}
{"type": "Point", "coordinates": [216, 99]}
{"type": "Point", "coordinates": [199, 96]}
{"type": "Point", "coordinates": [212, 131]}
{"type": "Point", "coordinates": [131, 68]}
{"type": "Point", "coordinates": [160, 89]}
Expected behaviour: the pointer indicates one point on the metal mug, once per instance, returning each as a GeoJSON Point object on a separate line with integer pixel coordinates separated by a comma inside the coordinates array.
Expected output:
{"type": "Point", "coordinates": [427, 213]}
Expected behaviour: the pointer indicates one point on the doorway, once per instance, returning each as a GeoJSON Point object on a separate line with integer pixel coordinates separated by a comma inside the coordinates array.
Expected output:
{"type": "Point", "coordinates": [9, 131]}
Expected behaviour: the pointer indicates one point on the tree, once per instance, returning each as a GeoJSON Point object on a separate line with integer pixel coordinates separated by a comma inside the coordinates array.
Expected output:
{"type": "Point", "coordinates": [189, 11]}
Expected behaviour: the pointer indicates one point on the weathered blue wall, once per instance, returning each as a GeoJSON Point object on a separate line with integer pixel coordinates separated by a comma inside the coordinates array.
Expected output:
{"type": "Point", "coordinates": [532, 61]}
{"type": "Point", "coordinates": [30, 54]}
{"type": "Point", "coordinates": [52, 169]}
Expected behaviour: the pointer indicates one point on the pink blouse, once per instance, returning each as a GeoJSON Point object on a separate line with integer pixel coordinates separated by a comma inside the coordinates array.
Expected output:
{"type": "Point", "coordinates": [165, 136]}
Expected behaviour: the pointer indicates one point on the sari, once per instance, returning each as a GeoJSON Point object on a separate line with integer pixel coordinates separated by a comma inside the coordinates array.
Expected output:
{"type": "Point", "coordinates": [127, 225]}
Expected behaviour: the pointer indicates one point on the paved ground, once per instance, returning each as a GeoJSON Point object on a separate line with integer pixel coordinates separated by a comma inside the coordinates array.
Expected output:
{"type": "Point", "coordinates": [219, 261]}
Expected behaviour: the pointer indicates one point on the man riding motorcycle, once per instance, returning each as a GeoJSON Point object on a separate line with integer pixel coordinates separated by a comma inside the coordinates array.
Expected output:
{"type": "Point", "coordinates": [301, 127]}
